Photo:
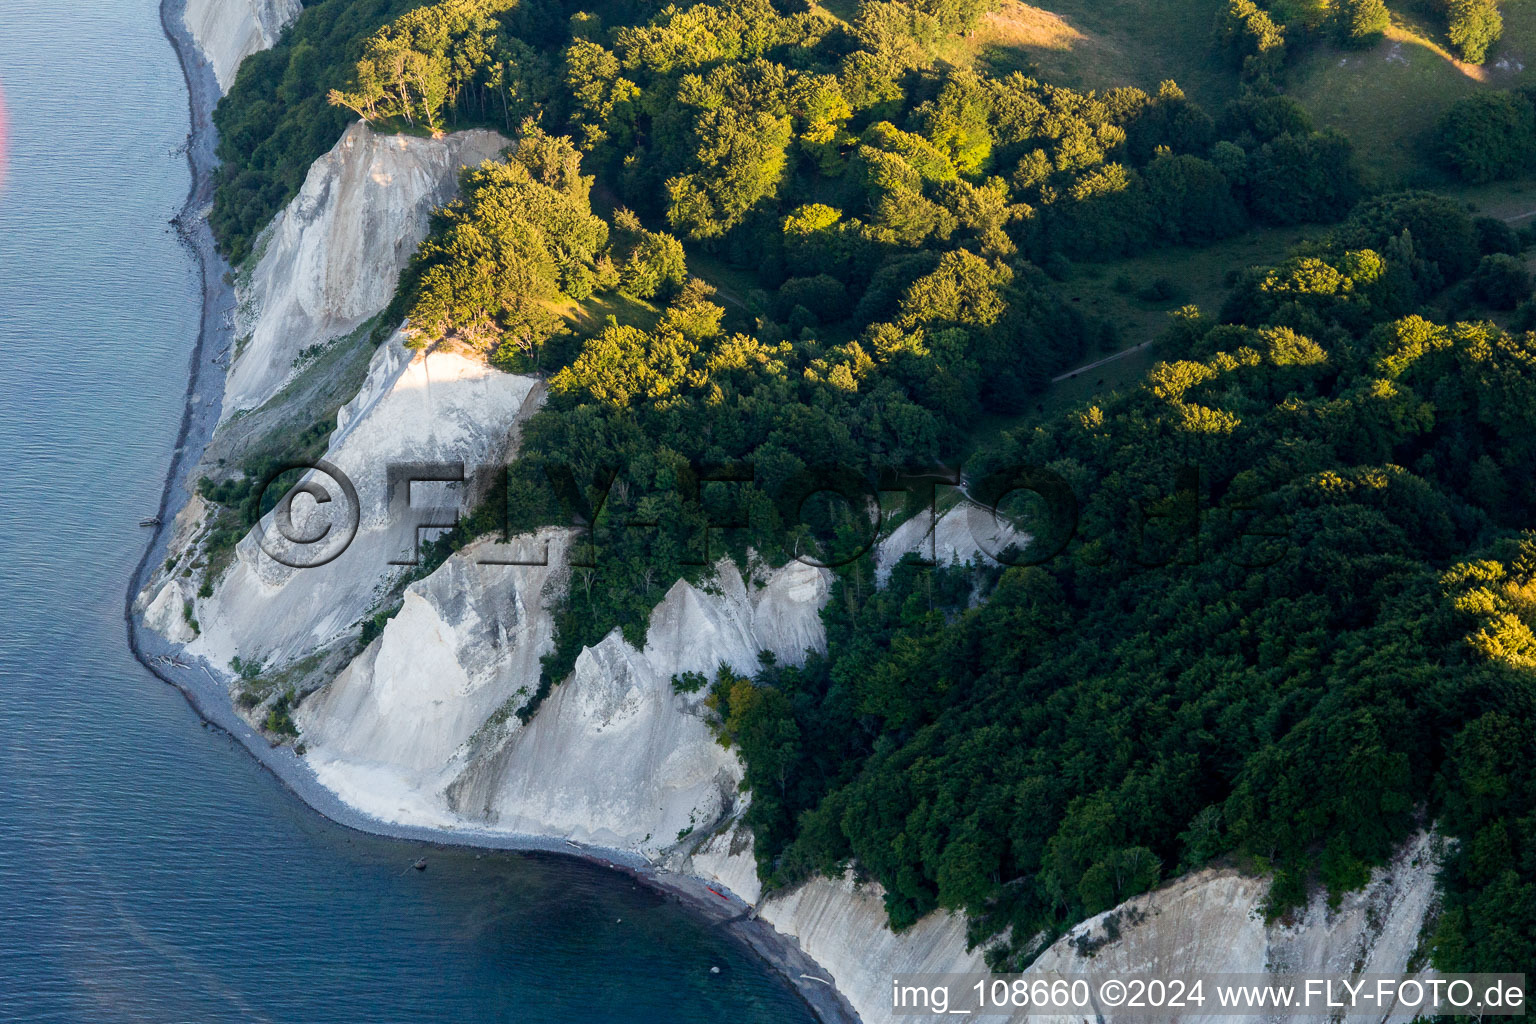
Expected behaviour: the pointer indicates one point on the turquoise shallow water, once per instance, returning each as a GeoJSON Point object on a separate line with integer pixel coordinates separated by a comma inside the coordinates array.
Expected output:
{"type": "Point", "coordinates": [149, 869]}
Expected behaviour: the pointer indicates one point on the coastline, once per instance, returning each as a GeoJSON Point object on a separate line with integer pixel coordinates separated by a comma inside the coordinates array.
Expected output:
{"type": "Point", "coordinates": [209, 697]}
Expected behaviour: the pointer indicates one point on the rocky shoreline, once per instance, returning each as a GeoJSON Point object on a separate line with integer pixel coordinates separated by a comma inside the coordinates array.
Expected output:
{"type": "Point", "coordinates": [209, 696]}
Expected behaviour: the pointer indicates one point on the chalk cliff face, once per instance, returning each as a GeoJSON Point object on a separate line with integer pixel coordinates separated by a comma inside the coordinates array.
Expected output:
{"type": "Point", "coordinates": [615, 756]}
{"type": "Point", "coordinates": [228, 31]}
{"type": "Point", "coordinates": [843, 927]}
{"type": "Point", "coordinates": [840, 924]}
{"type": "Point", "coordinates": [166, 614]}
{"type": "Point", "coordinates": [331, 259]}
{"type": "Point", "coordinates": [965, 533]}
{"type": "Point", "coordinates": [417, 729]}
{"type": "Point", "coordinates": [1208, 922]}
{"type": "Point", "coordinates": [1213, 922]}
{"type": "Point", "coordinates": [328, 263]}
{"type": "Point", "coordinates": [393, 730]}
{"type": "Point", "coordinates": [412, 409]}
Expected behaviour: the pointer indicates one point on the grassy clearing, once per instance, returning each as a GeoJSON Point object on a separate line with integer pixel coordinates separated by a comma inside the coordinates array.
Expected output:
{"type": "Point", "coordinates": [1121, 375]}
{"type": "Point", "coordinates": [591, 316]}
{"type": "Point", "coordinates": [1387, 98]}
{"type": "Point", "coordinates": [1511, 201]}
{"type": "Point", "coordinates": [845, 10]}
{"type": "Point", "coordinates": [1099, 44]}
{"type": "Point", "coordinates": [1118, 376]}
{"type": "Point", "coordinates": [1117, 291]}
{"type": "Point", "coordinates": [1093, 44]}
{"type": "Point", "coordinates": [732, 284]}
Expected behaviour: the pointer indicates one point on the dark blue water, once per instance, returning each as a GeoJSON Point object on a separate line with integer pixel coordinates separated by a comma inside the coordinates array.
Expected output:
{"type": "Point", "coordinates": [149, 870]}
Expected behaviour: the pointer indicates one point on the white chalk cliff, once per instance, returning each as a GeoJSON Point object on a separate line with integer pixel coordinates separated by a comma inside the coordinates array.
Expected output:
{"type": "Point", "coordinates": [965, 533]}
{"type": "Point", "coordinates": [328, 263]}
{"type": "Point", "coordinates": [166, 614]}
{"type": "Point", "coordinates": [331, 258]}
{"type": "Point", "coordinates": [392, 731]}
{"type": "Point", "coordinates": [416, 731]}
{"type": "Point", "coordinates": [1208, 922]}
{"type": "Point", "coordinates": [614, 756]}
{"type": "Point", "coordinates": [228, 31]}
{"type": "Point", "coordinates": [1213, 922]}
{"type": "Point", "coordinates": [843, 927]}
{"type": "Point", "coordinates": [413, 408]}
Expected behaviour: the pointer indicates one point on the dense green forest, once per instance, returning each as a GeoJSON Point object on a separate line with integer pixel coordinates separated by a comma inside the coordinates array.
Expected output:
{"type": "Point", "coordinates": [766, 256]}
